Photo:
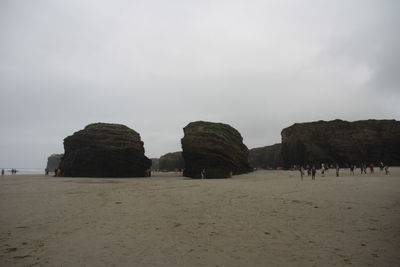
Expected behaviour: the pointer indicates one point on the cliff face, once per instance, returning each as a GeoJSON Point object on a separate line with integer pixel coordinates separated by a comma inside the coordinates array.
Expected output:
{"type": "Point", "coordinates": [218, 148]}
{"type": "Point", "coordinates": [53, 161]}
{"type": "Point", "coordinates": [368, 141]}
{"type": "Point", "coordinates": [268, 157]}
{"type": "Point", "coordinates": [172, 161]}
{"type": "Point", "coordinates": [155, 164]}
{"type": "Point", "coordinates": [104, 150]}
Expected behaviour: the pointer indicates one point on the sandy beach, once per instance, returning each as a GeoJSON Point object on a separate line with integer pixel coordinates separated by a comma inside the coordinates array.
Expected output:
{"type": "Point", "coordinates": [265, 218]}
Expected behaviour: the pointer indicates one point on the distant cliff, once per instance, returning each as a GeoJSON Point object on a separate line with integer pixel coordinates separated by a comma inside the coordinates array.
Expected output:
{"type": "Point", "coordinates": [53, 161]}
{"type": "Point", "coordinates": [367, 141]}
{"type": "Point", "coordinates": [155, 164]}
{"type": "Point", "coordinates": [268, 157]}
{"type": "Point", "coordinates": [171, 161]}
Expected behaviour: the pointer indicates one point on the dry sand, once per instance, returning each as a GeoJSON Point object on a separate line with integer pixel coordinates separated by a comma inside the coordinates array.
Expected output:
{"type": "Point", "coordinates": [266, 218]}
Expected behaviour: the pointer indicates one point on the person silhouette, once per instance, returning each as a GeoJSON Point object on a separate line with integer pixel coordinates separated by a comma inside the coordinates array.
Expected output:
{"type": "Point", "coordinates": [313, 172]}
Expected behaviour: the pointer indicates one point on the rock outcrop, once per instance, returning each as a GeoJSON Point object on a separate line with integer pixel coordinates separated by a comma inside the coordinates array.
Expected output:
{"type": "Point", "coordinates": [368, 141]}
{"type": "Point", "coordinates": [53, 162]}
{"type": "Point", "coordinates": [268, 157]}
{"type": "Point", "coordinates": [104, 150]}
{"type": "Point", "coordinates": [218, 148]}
{"type": "Point", "coordinates": [172, 161]}
{"type": "Point", "coordinates": [155, 164]}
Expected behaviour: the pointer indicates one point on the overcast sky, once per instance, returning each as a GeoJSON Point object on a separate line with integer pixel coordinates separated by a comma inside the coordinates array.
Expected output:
{"type": "Point", "coordinates": [155, 66]}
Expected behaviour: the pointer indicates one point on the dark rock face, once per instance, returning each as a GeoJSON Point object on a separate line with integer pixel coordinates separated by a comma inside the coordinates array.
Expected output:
{"type": "Point", "coordinates": [368, 141]}
{"type": "Point", "coordinates": [268, 157]}
{"type": "Point", "coordinates": [104, 150]}
{"type": "Point", "coordinates": [53, 161]}
{"type": "Point", "coordinates": [155, 164]}
{"type": "Point", "coordinates": [218, 148]}
{"type": "Point", "coordinates": [172, 161]}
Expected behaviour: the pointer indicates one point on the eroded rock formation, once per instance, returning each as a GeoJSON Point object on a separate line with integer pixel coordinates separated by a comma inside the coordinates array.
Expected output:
{"type": "Point", "coordinates": [104, 150]}
{"type": "Point", "coordinates": [155, 164]}
{"type": "Point", "coordinates": [53, 161]}
{"type": "Point", "coordinates": [172, 161]}
{"type": "Point", "coordinates": [367, 141]}
{"type": "Point", "coordinates": [268, 157]}
{"type": "Point", "coordinates": [218, 148]}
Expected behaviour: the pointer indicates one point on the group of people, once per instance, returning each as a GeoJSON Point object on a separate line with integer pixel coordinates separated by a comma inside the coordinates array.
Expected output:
{"type": "Point", "coordinates": [364, 167]}
{"type": "Point", "coordinates": [57, 172]}
{"type": "Point", "coordinates": [147, 173]}
{"type": "Point", "coordinates": [13, 171]}
{"type": "Point", "coordinates": [312, 170]}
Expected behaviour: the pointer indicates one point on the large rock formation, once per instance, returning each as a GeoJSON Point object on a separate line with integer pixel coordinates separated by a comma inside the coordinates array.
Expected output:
{"type": "Point", "coordinates": [53, 162]}
{"type": "Point", "coordinates": [104, 150]}
{"type": "Point", "coordinates": [218, 148]}
{"type": "Point", "coordinates": [268, 157]}
{"type": "Point", "coordinates": [368, 141]}
{"type": "Point", "coordinates": [172, 161]}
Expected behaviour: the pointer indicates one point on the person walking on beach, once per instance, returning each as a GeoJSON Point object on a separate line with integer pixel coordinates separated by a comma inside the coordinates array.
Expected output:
{"type": "Point", "coordinates": [381, 166]}
{"type": "Point", "coordinates": [363, 168]}
{"type": "Point", "coordinates": [2, 172]}
{"type": "Point", "coordinates": [301, 172]}
{"type": "Point", "coordinates": [313, 172]}
{"type": "Point", "coordinates": [351, 169]}
{"type": "Point", "coordinates": [203, 174]}
{"type": "Point", "coordinates": [59, 172]}
{"type": "Point", "coordinates": [308, 170]}
{"type": "Point", "coordinates": [371, 168]}
{"type": "Point", "coordinates": [387, 170]}
{"type": "Point", "coordinates": [323, 170]}
{"type": "Point", "coordinates": [337, 170]}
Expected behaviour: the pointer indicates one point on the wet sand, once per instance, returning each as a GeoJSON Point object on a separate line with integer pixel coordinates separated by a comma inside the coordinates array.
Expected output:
{"type": "Point", "coordinates": [266, 218]}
